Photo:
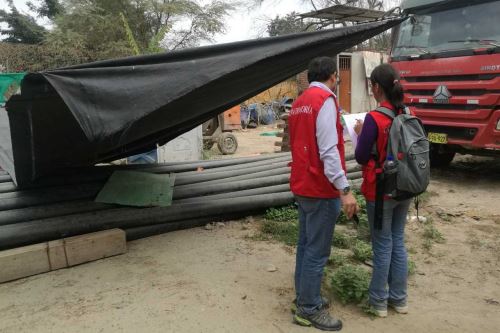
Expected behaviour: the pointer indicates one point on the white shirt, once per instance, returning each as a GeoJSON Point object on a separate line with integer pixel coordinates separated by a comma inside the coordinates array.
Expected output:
{"type": "Point", "coordinates": [327, 140]}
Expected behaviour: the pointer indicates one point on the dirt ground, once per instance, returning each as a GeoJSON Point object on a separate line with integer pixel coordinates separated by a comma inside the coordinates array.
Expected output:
{"type": "Point", "coordinates": [217, 280]}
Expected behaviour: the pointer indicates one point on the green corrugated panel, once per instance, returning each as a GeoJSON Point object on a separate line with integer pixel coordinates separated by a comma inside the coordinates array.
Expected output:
{"type": "Point", "coordinates": [139, 189]}
{"type": "Point", "coordinates": [8, 79]}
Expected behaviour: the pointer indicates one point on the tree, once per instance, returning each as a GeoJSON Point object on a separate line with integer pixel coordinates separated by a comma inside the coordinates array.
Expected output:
{"type": "Point", "coordinates": [186, 22]}
{"type": "Point", "coordinates": [48, 8]}
{"type": "Point", "coordinates": [286, 25]}
{"type": "Point", "coordinates": [20, 28]}
{"type": "Point", "coordinates": [116, 28]}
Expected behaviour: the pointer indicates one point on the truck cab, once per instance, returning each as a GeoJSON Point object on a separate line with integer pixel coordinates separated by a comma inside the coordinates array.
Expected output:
{"type": "Point", "coordinates": [448, 56]}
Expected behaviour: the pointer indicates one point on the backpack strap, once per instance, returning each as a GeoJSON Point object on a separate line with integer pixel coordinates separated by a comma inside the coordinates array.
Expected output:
{"type": "Point", "coordinates": [389, 113]}
{"type": "Point", "coordinates": [386, 111]}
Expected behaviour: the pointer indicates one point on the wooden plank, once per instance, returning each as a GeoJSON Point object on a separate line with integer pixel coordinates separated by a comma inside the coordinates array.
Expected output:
{"type": "Point", "coordinates": [95, 246]}
{"type": "Point", "coordinates": [23, 261]}
{"type": "Point", "coordinates": [57, 255]}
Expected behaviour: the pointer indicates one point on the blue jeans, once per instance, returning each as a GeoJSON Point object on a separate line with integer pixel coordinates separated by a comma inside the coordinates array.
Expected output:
{"type": "Point", "coordinates": [390, 261]}
{"type": "Point", "coordinates": [317, 218]}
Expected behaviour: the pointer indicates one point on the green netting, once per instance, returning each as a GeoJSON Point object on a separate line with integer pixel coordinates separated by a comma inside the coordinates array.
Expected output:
{"type": "Point", "coordinates": [6, 81]}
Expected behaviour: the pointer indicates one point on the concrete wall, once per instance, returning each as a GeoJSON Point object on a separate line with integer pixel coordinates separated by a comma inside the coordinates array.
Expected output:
{"type": "Point", "coordinates": [362, 64]}
{"type": "Point", "coordinates": [187, 147]}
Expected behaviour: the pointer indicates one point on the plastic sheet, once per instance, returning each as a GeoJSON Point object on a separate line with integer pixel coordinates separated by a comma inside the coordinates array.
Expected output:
{"type": "Point", "coordinates": [82, 115]}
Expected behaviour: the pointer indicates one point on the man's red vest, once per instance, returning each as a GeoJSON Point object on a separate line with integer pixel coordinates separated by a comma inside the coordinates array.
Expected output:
{"type": "Point", "coordinates": [370, 170]}
{"type": "Point", "coordinates": [307, 176]}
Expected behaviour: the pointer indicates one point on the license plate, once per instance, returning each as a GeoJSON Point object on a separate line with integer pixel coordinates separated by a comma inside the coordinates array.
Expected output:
{"type": "Point", "coordinates": [440, 138]}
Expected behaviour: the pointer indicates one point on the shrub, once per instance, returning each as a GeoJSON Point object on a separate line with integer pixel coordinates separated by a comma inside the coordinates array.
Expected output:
{"type": "Point", "coordinates": [341, 240]}
{"type": "Point", "coordinates": [288, 213]}
{"type": "Point", "coordinates": [350, 284]}
{"type": "Point", "coordinates": [412, 267]}
{"type": "Point", "coordinates": [337, 260]}
{"type": "Point", "coordinates": [362, 251]}
{"type": "Point", "coordinates": [283, 231]}
{"type": "Point", "coordinates": [431, 233]}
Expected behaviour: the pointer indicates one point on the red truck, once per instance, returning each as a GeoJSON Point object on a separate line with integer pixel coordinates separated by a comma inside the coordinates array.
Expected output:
{"type": "Point", "coordinates": [448, 55]}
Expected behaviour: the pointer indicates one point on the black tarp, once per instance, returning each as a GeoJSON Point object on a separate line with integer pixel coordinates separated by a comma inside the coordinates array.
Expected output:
{"type": "Point", "coordinates": [82, 115]}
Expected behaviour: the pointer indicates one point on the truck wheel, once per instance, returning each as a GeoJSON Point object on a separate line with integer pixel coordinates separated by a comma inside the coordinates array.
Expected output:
{"type": "Point", "coordinates": [440, 156]}
{"type": "Point", "coordinates": [227, 144]}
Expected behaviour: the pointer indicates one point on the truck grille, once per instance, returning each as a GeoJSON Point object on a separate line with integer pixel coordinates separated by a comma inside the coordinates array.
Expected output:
{"type": "Point", "coordinates": [465, 107]}
{"type": "Point", "coordinates": [472, 77]}
{"type": "Point", "coordinates": [454, 92]}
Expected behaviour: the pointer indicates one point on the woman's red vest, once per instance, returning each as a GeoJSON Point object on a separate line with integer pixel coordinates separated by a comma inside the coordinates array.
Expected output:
{"type": "Point", "coordinates": [307, 176]}
{"type": "Point", "coordinates": [370, 170]}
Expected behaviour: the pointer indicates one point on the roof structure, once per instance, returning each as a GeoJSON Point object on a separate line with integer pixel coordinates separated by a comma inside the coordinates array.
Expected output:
{"type": "Point", "coordinates": [343, 13]}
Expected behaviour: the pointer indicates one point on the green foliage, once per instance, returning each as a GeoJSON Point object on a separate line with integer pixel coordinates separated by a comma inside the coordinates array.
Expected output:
{"type": "Point", "coordinates": [431, 233]}
{"type": "Point", "coordinates": [130, 35]}
{"type": "Point", "coordinates": [412, 267]}
{"type": "Point", "coordinates": [337, 260]}
{"type": "Point", "coordinates": [363, 227]}
{"type": "Point", "coordinates": [281, 224]}
{"type": "Point", "coordinates": [92, 30]}
{"type": "Point", "coordinates": [21, 28]}
{"type": "Point", "coordinates": [427, 244]}
{"type": "Point", "coordinates": [341, 240]}
{"type": "Point", "coordinates": [285, 25]}
{"type": "Point", "coordinates": [283, 214]}
{"type": "Point", "coordinates": [283, 231]}
{"type": "Point", "coordinates": [362, 251]}
{"type": "Point", "coordinates": [48, 8]}
{"type": "Point", "coordinates": [24, 58]}
{"type": "Point", "coordinates": [350, 284]}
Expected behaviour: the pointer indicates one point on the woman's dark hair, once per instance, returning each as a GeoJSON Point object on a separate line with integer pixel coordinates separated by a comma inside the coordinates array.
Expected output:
{"type": "Point", "coordinates": [388, 79]}
{"type": "Point", "coordinates": [320, 69]}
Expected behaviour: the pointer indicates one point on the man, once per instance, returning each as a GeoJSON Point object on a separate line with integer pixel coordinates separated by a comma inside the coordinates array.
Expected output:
{"type": "Point", "coordinates": [318, 180]}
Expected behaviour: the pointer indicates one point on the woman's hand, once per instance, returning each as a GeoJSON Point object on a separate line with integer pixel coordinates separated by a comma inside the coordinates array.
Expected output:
{"type": "Point", "coordinates": [358, 127]}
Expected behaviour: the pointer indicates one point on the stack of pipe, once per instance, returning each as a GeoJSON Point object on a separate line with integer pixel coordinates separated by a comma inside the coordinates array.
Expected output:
{"type": "Point", "coordinates": [205, 191]}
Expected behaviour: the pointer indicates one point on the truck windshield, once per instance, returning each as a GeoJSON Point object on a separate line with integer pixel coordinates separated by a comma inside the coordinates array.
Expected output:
{"type": "Point", "coordinates": [468, 27]}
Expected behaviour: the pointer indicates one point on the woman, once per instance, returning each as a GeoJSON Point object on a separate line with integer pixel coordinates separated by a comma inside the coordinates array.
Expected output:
{"type": "Point", "coordinates": [389, 252]}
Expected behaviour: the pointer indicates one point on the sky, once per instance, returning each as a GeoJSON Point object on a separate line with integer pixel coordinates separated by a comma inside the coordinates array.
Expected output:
{"type": "Point", "coordinates": [246, 23]}
{"type": "Point", "coordinates": [240, 25]}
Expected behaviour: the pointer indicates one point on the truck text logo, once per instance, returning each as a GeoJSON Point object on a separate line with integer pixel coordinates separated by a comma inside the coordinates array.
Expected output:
{"type": "Point", "coordinates": [490, 68]}
{"type": "Point", "coordinates": [442, 95]}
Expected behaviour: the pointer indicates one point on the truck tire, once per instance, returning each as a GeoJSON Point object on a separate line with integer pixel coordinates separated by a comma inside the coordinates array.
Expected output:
{"type": "Point", "coordinates": [441, 156]}
{"type": "Point", "coordinates": [227, 144]}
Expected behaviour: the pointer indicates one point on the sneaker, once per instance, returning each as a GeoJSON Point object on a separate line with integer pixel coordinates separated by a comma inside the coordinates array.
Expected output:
{"type": "Point", "coordinates": [325, 304]}
{"type": "Point", "coordinates": [399, 308]}
{"type": "Point", "coordinates": [321, 320]}
{"type": "Point", "coordinates": [378, 311]}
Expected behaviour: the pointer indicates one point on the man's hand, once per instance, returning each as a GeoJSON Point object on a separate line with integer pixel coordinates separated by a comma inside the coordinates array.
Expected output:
{"type": "Point", "coordinates": [349, 204]}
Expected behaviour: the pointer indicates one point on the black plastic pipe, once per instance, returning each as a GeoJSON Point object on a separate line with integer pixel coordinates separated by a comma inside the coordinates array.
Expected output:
{"type": "Point", "coordinates": [54, 210]}
{"type": "Point", "coordinates": [244, 193]}
{"type": "Point", "coordinates": [183, 178]}
{"type": "Point", "coordinates": [7, 187]}
{"type": "Point", "coordinates": [189, 191]}
{"type": "Point", "coordinates": [19, 234]}
{"type": "Point", "coordinates": [5, 178]}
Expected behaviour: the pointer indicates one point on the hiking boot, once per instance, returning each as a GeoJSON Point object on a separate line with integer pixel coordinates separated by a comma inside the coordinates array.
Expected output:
{"type": "Point", "coordinates": [325, 303]}
{"type": "Point", "coordinates": [399, 308]}
{"type": "Point", "coordinates": [321, 320]}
